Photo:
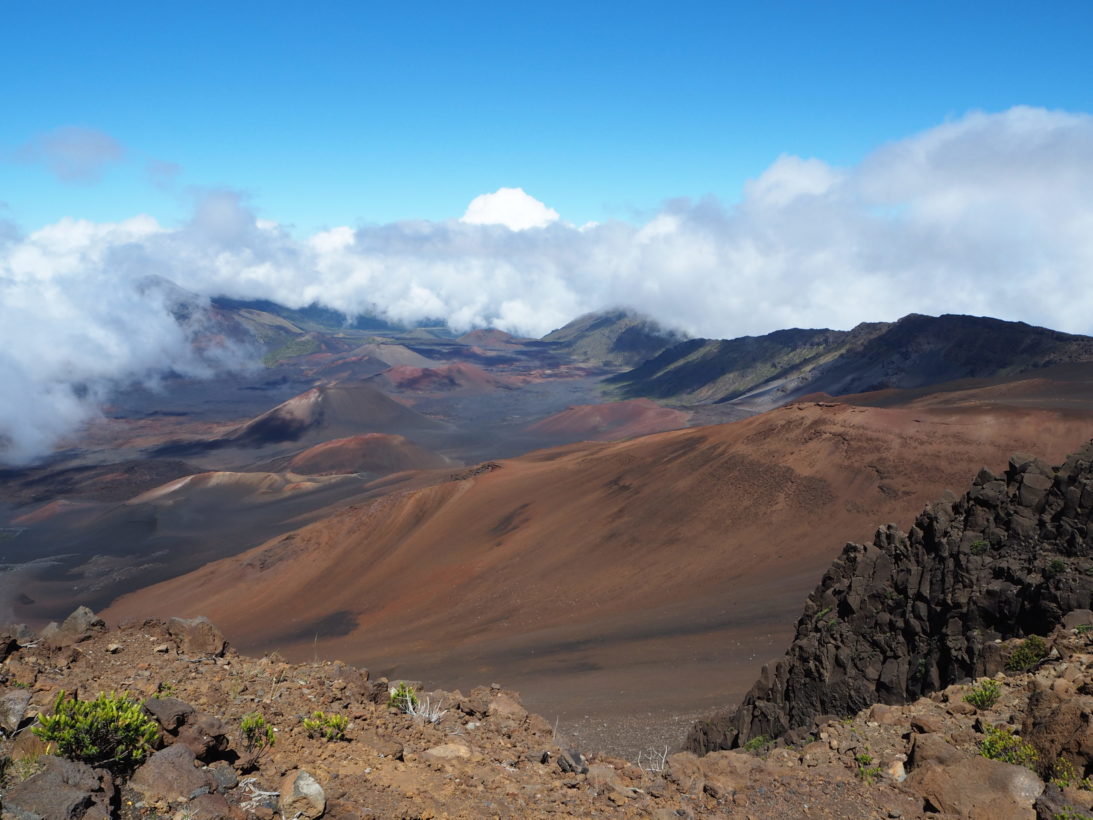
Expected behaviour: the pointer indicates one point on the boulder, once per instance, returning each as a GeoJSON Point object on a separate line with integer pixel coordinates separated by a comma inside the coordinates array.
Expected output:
{"type": "Point", "coordinates": [9, 642]}
{"type": "Point", "coordinates": [448, 751]}
{"type": "Point", "coordinates": [572, 762]}
{"type": "Point", "coordinates": [76, 628]}
{"type": "Point", "coordinates": [169, 776]}
{"type": "Point", "coordinates": [204, 735]}
{"type": "Point", "coordinates": [62, 790]}
{"type": "Point", "coordinates": [1059, 725]}
{"type": "Point", "coordinates": [301, 796]}
{"type": "Point", "coordinates": [208, 807]}
{"type": "Point", "coordinates": [170, 713]}
{"type": "Point", "coordinates": [196, 636]}
{"type": "Point", "coordinates": [728, 772]}
{"type": "Point", "coordinates": [975, 788]}
{"type": "Point", "coordinates": [506, 706]}
{"type": "Point", "coordinates": [13, 706]}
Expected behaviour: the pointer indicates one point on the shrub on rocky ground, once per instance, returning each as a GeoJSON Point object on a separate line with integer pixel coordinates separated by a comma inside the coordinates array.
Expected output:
{"type": "Point", "coordinates": [1029, 652]}
{"type": "Point", "coordinates": [111, 731]}
{"type": "Point", "coordinates": [327, 726]}
{"type": "Point", "coordinates": [985, 695]}
{"type": "Point", "coordinates": [1001, 743]}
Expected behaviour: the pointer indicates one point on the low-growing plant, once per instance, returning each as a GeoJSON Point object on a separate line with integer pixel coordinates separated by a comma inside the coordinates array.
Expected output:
{"type": "Point", "coordinates": [867, 771]}
{"type": "Point", "coordinates": [985, 695]}
{"type": "Point", "coordinates": [1001, 743]}
{"type": "Point", "coordinates": [1071, 813]}
{"type": "Point", "coordinates": [978, 547]}
{"type": "Point", "coordinates": [1057, 566]}
{"type": "Point", "coordinates": [1082, 629]}
{"type": "Point", "coordinates": [111, 731]}
{"type": "Point", "coordinates": [329, 727]}
{"type": "Point", "coordinates": [403, 697]}
{"type": "Point", "coordinates": [165, 689]}
{"type": "Point", "coordinates": [756, 743]}
{"type": "Point", "coordinates": [257, 734]}
{"type": "Point", "coordinates": [1028, 654]}
{"type": "Point", "coordinates": [15, 770]}
{"type": "Point", "coordinates": [1065, 774]}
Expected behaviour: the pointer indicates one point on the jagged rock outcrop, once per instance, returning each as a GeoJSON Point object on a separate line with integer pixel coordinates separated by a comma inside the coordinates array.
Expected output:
{"type": "Point", "coordinates": [914, 612]}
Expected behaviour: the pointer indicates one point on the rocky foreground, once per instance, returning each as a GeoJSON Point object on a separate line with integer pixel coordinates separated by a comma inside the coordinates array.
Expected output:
{"type": "Point", "coordinates": [481, 755]}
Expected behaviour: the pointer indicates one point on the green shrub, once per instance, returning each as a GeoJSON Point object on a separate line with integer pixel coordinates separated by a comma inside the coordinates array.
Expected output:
{"type": "Point", "coordinates": [978, 547]}
{"type": "Point", "coordinates": [1071, 813]}
{"type": "Point", "coordinates": [1065, 774]}
{"type": "Point", "coordinates": [1002, 744]}
{"type": "Point", "coordinates": [866, 770]}
{"type": "Point", "coordinates": [328, 727]}
{"type": "Point", "coordinates": [257, 733]}
{"type": "Point", "coordinates": [403, 697]}
{"type": "Point", "coordinates": [111, 731]}
{"type": "Point", "coordinates": [1031, 651]}
{"type": "Point", "coordinates": [756, 743]}
{"type": "Point", "coordinates": [1057, 566]}
{"type": "Point", "coordinates": [985, 695]}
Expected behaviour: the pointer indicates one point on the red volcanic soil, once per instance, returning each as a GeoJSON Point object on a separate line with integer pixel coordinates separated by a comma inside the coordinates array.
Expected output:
{"type": "Point", "coordinates": [393, 355]}
{"type": "Point", "coordinates": [459, 376]}
{"type": "Point", "coordinates": [368, 453]}
{"type": "Point", "coordinates": [489, 338]}
{"type": "Point", "coordinates": [612, 421]}
{"type": "Point", "coordinates": [596, 578]}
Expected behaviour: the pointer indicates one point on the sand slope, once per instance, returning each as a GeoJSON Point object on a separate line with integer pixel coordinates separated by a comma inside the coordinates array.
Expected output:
{"type": "Point", "coordinates": [594, 574]}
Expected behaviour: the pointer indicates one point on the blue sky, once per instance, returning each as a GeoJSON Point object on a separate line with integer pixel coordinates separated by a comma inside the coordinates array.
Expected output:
{"type": "Point", "coordinates": [353, 113]}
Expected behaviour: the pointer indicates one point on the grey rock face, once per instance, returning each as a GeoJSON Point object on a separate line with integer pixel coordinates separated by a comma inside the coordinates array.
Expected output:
{"type": "Point", "coordinates": [914, 612]}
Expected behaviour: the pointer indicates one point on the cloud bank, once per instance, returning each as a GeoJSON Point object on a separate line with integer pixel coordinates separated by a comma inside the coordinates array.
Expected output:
{"type": "Point", "coordinates": [990, 214]}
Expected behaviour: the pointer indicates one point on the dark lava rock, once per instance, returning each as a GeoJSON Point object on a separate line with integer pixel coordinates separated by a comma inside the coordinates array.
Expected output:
{"type": "Point", "coordinates": [917, 611]}
{"type": "Point", "coordinates": [62, 790]}
{"type": "Point", "coordinates": [170, 713]}
{"type": "Point", "coordinates": [169, 776]}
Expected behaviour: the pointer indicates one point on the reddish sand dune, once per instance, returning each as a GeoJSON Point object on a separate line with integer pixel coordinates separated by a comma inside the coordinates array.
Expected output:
{"type": "Point", "coordinates": [459, 376]}
{"type": "Point", "coordinates": [368, 453]}
{"type": "Point", "coordinates": [612, 421]}
{"type": "Point", "coordinates": [598, 576]}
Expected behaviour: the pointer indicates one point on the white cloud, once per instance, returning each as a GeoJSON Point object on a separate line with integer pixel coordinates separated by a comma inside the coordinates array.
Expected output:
{"type": "Point", "coordinates": [510, 207]}
{"type": "Point", "coordinates": [988, 214]}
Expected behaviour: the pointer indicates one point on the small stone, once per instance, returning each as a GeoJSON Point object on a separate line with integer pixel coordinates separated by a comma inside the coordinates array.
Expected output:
{"type": "Point", "coordinates": [162, 648]}
{"type": "Point", "coordinates": [113, 648]}
{"type": "Point", "coordinates": [448, 751]}
{"type": "Point", "coordinates": [301, 796]}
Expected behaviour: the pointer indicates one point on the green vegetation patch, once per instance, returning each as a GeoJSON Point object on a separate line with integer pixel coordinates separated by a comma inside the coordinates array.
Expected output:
{"type": "Point", "coordinates": [304, 346]}
{"type": "Point", "coordinates": [329, 727]}
{"type": "Point", "coordinates": [111, 731]}
{"type": "Point", "coordinates": [1001, 743]}
{"type": "Point", "coordinates": [1028, 654]}
{"type": "Point", "coordinates": [985, 695]}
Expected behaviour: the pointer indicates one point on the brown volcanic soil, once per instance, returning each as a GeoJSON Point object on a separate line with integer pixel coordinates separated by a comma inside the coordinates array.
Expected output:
{"type": "Point", "coordinates": [367, 453]}
{"type": "Point", "coordinates": [612, 421]}
{"type": "Point", "coordinates": [622, 587]}
{"type": "Point", "coordinates": [458, 376]}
